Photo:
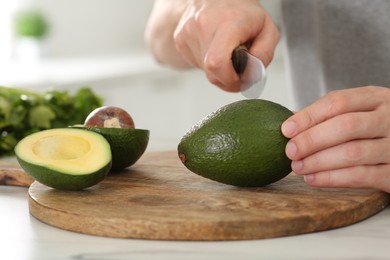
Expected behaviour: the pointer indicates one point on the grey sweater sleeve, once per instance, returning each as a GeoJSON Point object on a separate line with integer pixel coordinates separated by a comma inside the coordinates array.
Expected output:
{"type": "Point", "coordinates": [334, 44]}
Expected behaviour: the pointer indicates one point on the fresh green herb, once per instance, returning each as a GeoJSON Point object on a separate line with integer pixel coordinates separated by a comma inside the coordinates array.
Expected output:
{"type": "Point", "coordinates": [24, 112]}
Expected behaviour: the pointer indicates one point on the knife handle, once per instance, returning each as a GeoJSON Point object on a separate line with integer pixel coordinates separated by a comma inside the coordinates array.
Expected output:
{"type": "Point", "coordinates": [240, 59]}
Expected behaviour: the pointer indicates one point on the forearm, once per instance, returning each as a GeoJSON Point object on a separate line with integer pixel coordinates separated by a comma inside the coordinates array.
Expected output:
{"type": "Point", "coordinates": [159, 32]}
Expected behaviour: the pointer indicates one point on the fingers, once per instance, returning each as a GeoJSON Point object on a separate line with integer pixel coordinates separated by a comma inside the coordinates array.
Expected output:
{"type": "Point", "coordinates": [217, 63]}
{"type": "Point", "coordinates": [343, 139]}
{"type": "Point", "coordinates": [363, 176]}
{"type": "Point", "coordinates": [208, 32]}
{"type": "Point", "coordinates": [333, 104]}
{"type": "Point", "coordinates": [337, 130]}
{"type": "Point", "coordinates": [359, 152]}
{"type": "Point", "coordinates": [264, 44]}
{"type": "Point", "coordinates": [207, 48]}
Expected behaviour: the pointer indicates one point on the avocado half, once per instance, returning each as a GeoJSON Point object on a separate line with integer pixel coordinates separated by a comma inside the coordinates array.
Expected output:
{"type": "Point", "coordinates": [65, 158]}
{"type": "Point", "coordinates": [127, 144]}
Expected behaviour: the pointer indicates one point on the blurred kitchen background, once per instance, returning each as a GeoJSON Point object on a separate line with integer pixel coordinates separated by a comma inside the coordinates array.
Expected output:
{"type": "Point", "coordinates": [100, 44]}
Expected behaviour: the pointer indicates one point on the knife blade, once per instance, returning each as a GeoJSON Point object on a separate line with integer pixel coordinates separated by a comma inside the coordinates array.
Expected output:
{"type": "Point", "coordinates": [251, 71]}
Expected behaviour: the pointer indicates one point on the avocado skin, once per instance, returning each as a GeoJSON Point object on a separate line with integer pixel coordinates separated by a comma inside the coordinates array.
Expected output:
{"type": "Point", "coordinates": [240, 144]}
{"type": "Point", "coordinates": [62, 180]}
{"type": "Point", "coordinates": [127, 144]}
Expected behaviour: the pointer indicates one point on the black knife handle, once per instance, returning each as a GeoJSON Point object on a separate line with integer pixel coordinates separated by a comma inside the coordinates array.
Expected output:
{"type": "Point", "coordinates": [240, 59]}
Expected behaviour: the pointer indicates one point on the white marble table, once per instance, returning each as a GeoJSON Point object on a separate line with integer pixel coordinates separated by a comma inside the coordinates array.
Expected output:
{"type": "Point", "coordinates": [24, 237]}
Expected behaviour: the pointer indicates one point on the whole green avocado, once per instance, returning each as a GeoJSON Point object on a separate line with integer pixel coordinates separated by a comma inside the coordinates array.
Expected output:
{"type": "Point", "coordinates": [240, 144]}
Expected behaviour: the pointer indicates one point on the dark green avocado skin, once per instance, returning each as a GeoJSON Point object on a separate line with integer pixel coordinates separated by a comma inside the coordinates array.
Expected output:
{"type": "Point", "coordinates": [240, 144]}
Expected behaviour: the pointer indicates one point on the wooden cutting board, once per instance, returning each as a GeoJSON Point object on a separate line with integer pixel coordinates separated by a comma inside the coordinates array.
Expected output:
{"type": "Point", "coordinates": [12, 174]}
{"type": "Point", "coordinates": [158, 198]}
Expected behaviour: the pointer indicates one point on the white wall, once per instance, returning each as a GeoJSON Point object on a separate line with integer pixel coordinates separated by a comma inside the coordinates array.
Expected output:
{"type": "Point", "coordinates": [95, 27]}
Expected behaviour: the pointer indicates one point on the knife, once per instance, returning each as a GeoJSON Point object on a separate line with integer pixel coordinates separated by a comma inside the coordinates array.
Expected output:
{"type": "Point", "coordinates": [251, 72]}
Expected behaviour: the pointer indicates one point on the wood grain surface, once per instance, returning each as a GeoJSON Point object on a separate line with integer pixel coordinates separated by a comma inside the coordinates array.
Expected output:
{"type": "Point", "coordinates": [158, 198]}
{"type": "Point", "coordinates": [12, 174]}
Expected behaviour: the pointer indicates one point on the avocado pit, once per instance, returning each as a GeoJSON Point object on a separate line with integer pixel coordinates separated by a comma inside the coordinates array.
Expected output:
{"type": "Point", "coordinates": [109, 117]}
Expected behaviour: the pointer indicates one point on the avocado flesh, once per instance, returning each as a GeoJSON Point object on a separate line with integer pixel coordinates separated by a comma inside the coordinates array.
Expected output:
{"type": "Point", "coordinates": [127, 144]}
{"type": "Point", "coordinates": [240, 144]}
{"type": "Point", "coordinates": [69, 159]}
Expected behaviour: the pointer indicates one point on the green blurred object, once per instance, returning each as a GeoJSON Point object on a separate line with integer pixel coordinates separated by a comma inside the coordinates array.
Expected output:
{"type": "Point", "coordinates": [30, 24]}
{"type": "Point", "coordinates": [24, 112]}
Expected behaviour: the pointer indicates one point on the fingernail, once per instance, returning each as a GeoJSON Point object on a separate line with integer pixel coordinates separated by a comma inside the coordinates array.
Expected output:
{"type": "Point", "coordinates": [289, 128]}
{"type": "Point", "coordinates": [297, 166]}
{"type": "Point", "coordinates": [291, 150]}
{"type": "Point", "coordinates": [309, 178]}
